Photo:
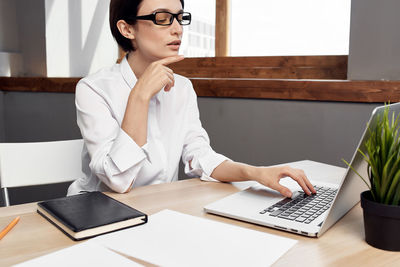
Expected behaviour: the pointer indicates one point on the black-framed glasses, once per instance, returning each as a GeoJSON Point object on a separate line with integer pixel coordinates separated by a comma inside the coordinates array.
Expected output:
{"type": "Point", "coordinates": [165, 18]}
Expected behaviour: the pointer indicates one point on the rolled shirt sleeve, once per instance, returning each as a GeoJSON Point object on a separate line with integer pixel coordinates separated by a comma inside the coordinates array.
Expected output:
{"type": "Point", "coordinates": [125, 152]}
{"type": "Point", "coordinates": [115, 158]}
{"type": "Point", "coordinates": [199, 158]}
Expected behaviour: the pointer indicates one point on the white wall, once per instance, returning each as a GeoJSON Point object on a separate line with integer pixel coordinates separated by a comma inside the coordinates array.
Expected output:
{"type": "Point", "coordinates": [10, 64]}
{"type": "Point", "coordinates": [78, 38]}
{"type": "Point", "coordinates": [10, 59]}
{"type": "Point", "coordinates": [55, 38]}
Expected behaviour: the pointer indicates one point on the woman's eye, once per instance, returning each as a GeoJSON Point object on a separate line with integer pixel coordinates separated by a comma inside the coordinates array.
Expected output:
{"type": "Point", "coordinates": [162, 21]}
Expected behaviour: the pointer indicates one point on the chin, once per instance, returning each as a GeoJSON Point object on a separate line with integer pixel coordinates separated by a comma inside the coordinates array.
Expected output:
{"type": "Point", "coordinates": [164, 55]}
{"type": "Point", "coordinates": [173, 53]}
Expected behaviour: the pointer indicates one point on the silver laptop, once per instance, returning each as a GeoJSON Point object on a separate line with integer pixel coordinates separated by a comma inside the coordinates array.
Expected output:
{"type": "Point", "coordinates": [338, 190]}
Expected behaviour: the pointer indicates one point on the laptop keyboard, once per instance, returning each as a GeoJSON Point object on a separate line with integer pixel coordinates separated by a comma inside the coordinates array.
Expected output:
{"type": "Point", "coordinates": [303, 208]}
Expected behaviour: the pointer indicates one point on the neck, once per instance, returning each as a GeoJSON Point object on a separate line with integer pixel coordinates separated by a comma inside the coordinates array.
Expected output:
{"type": "Point", "coordinates": [138, 63]}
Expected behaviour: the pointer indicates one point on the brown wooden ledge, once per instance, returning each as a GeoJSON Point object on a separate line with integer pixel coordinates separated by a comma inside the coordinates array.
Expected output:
{"type": "Point", "coordinates": [38, 84]}
{"type": "Point", "coordinates": [271, 67]}
{"type": "Point", "coordinates": [315, 90]}
{"type": "Point", "coordinates": [320, 90]}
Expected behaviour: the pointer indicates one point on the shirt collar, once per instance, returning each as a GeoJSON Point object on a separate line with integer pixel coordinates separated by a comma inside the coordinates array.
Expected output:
{"type": "Point", "coordinates": [127, 72]}
{"type": "Point", "coordinates": [130, 77]}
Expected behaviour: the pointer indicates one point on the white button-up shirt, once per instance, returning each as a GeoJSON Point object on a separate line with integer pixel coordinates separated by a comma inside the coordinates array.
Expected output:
{"type": "Point", "coordinates": [112, 160]}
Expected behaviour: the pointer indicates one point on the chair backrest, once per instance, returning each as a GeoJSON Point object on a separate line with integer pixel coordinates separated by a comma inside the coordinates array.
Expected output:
{"type": "Point", "coordinates": [25, 164]}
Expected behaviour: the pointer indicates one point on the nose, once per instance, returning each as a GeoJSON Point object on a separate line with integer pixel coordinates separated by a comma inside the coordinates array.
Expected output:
{"type": "Point", "coordinates": [176, 28]}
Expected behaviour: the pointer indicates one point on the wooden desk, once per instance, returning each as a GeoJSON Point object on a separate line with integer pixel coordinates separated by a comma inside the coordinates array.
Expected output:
{"type": "Point", "coordinates": [342, 245]}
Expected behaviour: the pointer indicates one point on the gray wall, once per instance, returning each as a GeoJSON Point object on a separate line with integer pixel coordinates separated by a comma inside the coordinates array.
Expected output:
{"type": "Point", "coordinates": [22, 34]}
{"type": "Point", "coordinates": [8, 29]}
{"type": "Point", "coordinates": [2, 133]}
{"type": "Point", "coordinates": [266, 132]}
{"type": "Point", "coordinates": [259, 132]}
{"type": "Point", "coordinates": [32, 36]}
{"type": "Point", "coordinates": [35, 117]}
{"type": "Point", "coordinates": [374, 52]}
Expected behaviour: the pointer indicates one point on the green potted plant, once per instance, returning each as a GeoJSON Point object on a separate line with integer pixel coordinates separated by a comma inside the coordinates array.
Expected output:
{"type": "Point", "coordinates": [381, 203]}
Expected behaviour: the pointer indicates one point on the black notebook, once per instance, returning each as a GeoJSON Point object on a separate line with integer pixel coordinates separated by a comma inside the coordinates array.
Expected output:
{"type": "Point", "coordinates": [89, 214]}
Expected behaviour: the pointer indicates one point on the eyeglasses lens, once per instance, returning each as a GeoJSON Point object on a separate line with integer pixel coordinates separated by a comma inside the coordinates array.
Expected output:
{"type": "Point", "coordinates": [164, 18]}
{"type": "Point", "coordinates": [184, 18]}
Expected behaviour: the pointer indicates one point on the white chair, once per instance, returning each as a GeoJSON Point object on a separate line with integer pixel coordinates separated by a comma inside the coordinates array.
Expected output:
{"type": "Point", "coordinates": [26, 164]}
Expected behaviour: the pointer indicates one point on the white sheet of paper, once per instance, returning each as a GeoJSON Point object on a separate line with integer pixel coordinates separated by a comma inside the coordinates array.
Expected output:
{"type": "Point", "coordinates": [83, 254]}
{"type": "Point", "coordinates": [171, 238]}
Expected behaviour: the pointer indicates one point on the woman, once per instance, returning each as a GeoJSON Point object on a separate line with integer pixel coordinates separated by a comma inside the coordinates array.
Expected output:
{"type": "Point", "coordinates": [138, 118]}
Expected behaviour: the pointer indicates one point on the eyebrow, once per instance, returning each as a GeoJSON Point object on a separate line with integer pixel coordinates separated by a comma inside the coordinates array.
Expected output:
{"type": "Point", "coordinates": [165, 10]}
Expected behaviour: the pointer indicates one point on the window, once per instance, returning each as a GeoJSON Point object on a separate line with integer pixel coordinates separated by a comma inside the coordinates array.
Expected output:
{"type": "Point", "coordinates": [199, 37]}
{"type": "Point", "coordinates": [290, 27]}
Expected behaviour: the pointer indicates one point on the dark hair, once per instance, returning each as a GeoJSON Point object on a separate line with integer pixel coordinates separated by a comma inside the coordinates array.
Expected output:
{"type": "Point", "coordinates": [122, 9]}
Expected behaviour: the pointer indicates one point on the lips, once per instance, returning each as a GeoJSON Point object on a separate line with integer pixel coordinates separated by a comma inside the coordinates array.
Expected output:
{"type": "Point", "coordinates": [176, 42]}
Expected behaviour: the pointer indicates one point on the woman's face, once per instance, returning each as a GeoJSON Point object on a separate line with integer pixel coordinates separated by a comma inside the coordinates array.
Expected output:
{"type": "Point", "coordinates": [153, 41]}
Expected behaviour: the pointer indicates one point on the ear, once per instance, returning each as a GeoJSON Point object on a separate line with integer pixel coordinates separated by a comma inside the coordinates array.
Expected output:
{"type": "Point", "coordinates": [126, 29]}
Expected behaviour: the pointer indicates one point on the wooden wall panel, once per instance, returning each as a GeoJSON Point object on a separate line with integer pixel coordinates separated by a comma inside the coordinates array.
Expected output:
{"type": "Point", "coordinates": [36, 84]}
{"type": "Point", "coordinates": [341, 91]}
{"type": "Point", "coordinates": [314, 90]}
{"type": "Point", "coordinates": [279, 67]}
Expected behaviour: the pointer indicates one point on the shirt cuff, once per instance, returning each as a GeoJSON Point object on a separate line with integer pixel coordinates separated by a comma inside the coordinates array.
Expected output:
{"type": "Point", "coordinates": [204, 166]}
{"type": "Point", "coordinates": [125, 153]}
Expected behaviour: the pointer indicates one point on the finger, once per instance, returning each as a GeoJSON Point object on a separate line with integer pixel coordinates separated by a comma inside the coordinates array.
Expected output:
{"type": "Point", "coordinates": [167, 88]}
{"type": "Point", "coordinates": [170, 75]}
{"type": "Point", "coordinates": [299, 179]}
{"type": "Point", "coordinates": [281, 189]}
{"type": "Point", "coordinates": [308, 183]}
{"type": "Point", "coordinates": [171, 80]}
{"type": "Point", "coordinates": [169, 84]}
{"type": "Point", "coordinates": [168, 69]}
{"type": "Point", "coordinates": [170, 60]}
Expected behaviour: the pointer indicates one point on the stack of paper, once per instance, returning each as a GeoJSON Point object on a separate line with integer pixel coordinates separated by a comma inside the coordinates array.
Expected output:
{"type": "Point", "coordinates": [174, 239]}
{"type": "Point", "coordinates": [171, 238]}
{"type": "Point", "coordinates": [84, 254]}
